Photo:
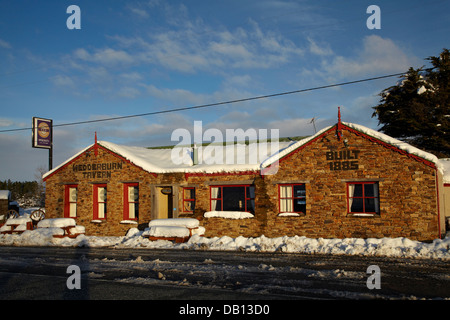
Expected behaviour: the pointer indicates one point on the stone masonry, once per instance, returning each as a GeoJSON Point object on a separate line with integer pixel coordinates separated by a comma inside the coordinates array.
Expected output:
{"type": "Point", "coordinates": [325, 165]}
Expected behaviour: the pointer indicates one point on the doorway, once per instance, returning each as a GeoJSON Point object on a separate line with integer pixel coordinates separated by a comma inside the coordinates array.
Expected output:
{"type": "Point", "coordinates": [164, 202]}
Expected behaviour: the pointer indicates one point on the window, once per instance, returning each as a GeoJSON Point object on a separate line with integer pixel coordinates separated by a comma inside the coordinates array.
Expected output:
{"type": "Point", "coordinates": [188, 199]}
{"type": "Point", "coordinates": [233, 198]}
{"type": "Point", "coordinates": [362, 198]}
{"type": "Point", "coordinates": [100, 201]}
{"type": "Point", "coordinates": [131, 201]}
{"type": "Point", "coordinates": [292, 198]}
{"type": "Point", "coordinates": [70, 201]}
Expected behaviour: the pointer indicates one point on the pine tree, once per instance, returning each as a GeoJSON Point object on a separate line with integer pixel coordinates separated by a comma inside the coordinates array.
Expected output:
{"type": "Point", "coordinates": [417, 109]}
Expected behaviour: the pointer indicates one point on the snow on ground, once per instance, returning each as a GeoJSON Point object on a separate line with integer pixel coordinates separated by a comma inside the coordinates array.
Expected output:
{"type": "Point", "coordinates": [388, 247]}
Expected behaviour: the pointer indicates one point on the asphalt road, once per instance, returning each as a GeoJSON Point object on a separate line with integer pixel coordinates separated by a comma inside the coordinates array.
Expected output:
{"type": "Point", "coordinates": [28, 273]}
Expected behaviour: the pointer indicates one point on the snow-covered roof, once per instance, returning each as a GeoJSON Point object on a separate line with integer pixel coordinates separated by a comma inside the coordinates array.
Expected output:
{"type": "Point", "coordinates": [231, 158]}
{"type": "Point", "coordinates": [396, 143]}
{"type": "Point", "coordinates": [234, 157]}
{"type": "Point", "coordinates": [5, 194]}
{"type": "Point", "coordinates": [367, 131]}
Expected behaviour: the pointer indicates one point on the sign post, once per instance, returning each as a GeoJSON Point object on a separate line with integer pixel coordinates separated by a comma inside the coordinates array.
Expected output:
{"type": "Point", "coordinates": [42, 137]}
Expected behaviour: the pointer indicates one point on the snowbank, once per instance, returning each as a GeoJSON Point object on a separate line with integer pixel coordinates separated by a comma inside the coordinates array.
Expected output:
{"type": "Point", "coordinates": [388, 247]}
{"type": "Point", "coordinates": [37, 237]}
{"type": "Point", "coordinates": [199, 231]}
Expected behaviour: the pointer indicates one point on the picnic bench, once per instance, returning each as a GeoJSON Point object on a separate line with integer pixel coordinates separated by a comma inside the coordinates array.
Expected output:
{"type": "Point", "coordinates": [178, 230]}
{"type": "Point", "coordinates": [67, 225]}
{"type": "Point", "coordinates": [16, 225]}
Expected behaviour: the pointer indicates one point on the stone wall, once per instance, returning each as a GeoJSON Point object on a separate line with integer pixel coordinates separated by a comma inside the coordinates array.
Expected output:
{"type": "Point", "coordinates": [407, 192]}
{"type": "Point", "coordinates": [250, 227]}
{"type": "Point", "coordinates": [87, 170]}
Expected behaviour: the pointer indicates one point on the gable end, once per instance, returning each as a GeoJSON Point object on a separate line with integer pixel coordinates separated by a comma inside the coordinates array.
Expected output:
{"type": "Point", "coordinates": [389, 146]}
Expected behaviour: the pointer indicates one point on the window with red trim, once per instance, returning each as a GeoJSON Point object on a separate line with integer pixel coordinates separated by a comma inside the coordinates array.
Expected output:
{"type": "Point", "coordinates": [233, 198]}
{"type": "Point", "coordinates": [292, 197]}
{"type": "Point", "coordinates": [188, 200]}
{"type": "Point", "coordinates": [363, 198]}
{"type": "Point", "coordinates": [99, 194]}
{"type": "Point", "coordinates": [70, 201]}
{"type": "Point", "coordinates": [131, 201]}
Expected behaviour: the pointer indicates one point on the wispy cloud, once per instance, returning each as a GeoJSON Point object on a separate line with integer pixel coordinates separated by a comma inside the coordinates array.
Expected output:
{"type": "Point", "coordinates": [186, 46]}
{"type": "Point", "coordinates": [192, 45]}
{"type": "Point", "coordinates": [377, 55]}
{"type": "Point", "coordinates": [139, 12]}
{"type": "Point", "coordinates": [5, 122]}
{"type": "Point", "coordinates": [4, 44]}
{"type": "Point", "coordinates": [317, 49]}
{"type": "Point", "coordinates": [104, 56]}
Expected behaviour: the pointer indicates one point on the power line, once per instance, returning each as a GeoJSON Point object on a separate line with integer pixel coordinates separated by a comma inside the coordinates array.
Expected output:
{"type": "Point", "coordinates": [214, 104]}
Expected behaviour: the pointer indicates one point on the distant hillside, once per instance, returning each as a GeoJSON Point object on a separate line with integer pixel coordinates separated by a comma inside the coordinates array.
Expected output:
{"type": "Point", "coordinates": [26, 193]}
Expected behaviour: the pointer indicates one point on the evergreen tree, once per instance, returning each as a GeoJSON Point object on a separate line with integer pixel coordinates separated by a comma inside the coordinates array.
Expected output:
{"type": "Point", "coordinates": [417, 109]}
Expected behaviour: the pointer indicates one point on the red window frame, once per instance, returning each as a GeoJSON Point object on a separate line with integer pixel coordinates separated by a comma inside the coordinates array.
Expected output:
{"type": "Point", "coordinates": [126, 202]}
{"type": "Point", "coordinates": [293, 197]}
{"type": "Point", "coordinates": [97, 203]}
{"type": "Point", "coordinates": [246, 196]}
{"type": "Point", "coordinates": [188, 200]}
{"type": "Point", "coordinates": [67, 200]}
{"type": "Point", "coordinates": [364, 197]}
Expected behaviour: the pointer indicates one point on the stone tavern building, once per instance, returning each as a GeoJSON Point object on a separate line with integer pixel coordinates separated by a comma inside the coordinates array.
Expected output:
{"type": "Point", "coordinates": [345, 181]}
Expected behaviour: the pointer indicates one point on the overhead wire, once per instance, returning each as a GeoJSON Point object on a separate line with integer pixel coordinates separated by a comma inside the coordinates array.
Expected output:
{"type": "Point", "coordinates": [215, 103]}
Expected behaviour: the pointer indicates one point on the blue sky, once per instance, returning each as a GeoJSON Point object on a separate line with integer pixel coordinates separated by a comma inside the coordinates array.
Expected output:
{"type": "Point", "coordinates": [133, 57]}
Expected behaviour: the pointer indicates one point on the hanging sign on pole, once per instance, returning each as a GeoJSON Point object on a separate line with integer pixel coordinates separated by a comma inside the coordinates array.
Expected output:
{"type": "Point", "coordinates": [42, 133]}
{"type": "Point", "coordinates": [42, 137]}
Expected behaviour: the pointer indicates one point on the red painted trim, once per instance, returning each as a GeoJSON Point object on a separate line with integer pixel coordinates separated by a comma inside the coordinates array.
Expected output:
{"type": "Point", "coordinates": [98, 146]}
{"type": "Point", "coordinates": [67, 164]}
{"type": "Point", "coordinates": [126, 203]}
{"type": "Point", "coordinates": [363, 197]}
{"type": "Point", "coordinates": [96, 202]}
{"type": "Point", "coordinates": [187, 199]}
{"type": "Point", "coordinates": [307, 144]}
{"type": "Point", "coordinates": [340, 126]}
{"type": "Point", "coordinates": [292, 198]}
{"type": "Point", "coordinates": [221, 194]}
{"type": "Point", "coordinates": [67, 200]}
{"type": "Point", "coordinates": [124, 159]}
{"type": "Point", "coordinates": [438, 205]}
{"type": "Point", "coordinates": [446, 184]}
{"type": "Point", "coordinates": [390, 146]}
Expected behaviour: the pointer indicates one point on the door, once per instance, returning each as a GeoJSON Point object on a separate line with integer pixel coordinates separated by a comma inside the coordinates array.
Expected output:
{"type": "Point", "coordinates": [165, 202]}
